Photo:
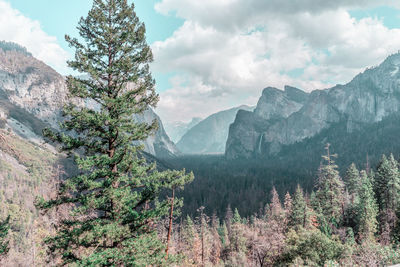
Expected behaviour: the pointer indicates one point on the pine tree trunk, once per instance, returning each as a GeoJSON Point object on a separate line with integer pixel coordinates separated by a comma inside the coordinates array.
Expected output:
{"type": "Point", "coordinates": [202, 244]}
{"type": "Point", "coordinates": [171, 213]}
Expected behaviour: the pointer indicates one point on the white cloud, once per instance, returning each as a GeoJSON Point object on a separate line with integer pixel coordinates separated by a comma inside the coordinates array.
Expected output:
{"type": "Point", "coordinates": [15, 27]}
{"type": "Point", "coordinates": [228, 50]}
{"type": "Point", "coordinates": [236, 14]}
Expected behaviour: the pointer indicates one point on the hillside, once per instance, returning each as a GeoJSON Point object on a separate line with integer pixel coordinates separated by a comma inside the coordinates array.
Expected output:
{"type": "Point", "coordinates": [34, 94]}
{"type": "Point", "coordinates": [27, 170]}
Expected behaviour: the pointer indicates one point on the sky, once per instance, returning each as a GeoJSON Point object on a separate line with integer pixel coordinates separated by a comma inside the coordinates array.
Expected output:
{"type": "Point", "coordinates": [213, 55]}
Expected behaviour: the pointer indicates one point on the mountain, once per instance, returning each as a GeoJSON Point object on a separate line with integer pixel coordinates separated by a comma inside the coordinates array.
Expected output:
{"type": "Point", "coordinates": [209, 135]}
{"type": "Point", "coordinates": [370, 97]}
{"type": "Point", "coordinates": [159, 144]}
{"type": "Point", "coordinates": [30, 87]}
{"type": "Point", "coordinates": [177, 129]}
{"type": "Point", "coordinates": [31, 97]}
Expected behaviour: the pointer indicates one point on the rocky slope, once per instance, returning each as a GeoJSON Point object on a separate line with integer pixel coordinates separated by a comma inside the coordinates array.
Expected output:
{"type": "Point", "coordinates": [29, 86]}
{"type": "Point", "coordinates": [209, 136]}
{"type": "Point", "coordinates": [26, 171]}
{"type": "Point", "coordinates": [159, 144]}
{"type": "Point", "coordinates": [368, 98]}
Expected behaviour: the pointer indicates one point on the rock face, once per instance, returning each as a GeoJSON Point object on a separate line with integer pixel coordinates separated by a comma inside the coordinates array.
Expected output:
{"type": "Point", "coordinates": [31, 84]}
{"type": "Point", "coordinates": [32, 95]}
{"type": "Point", "coordinates": [176, 130]}
{"type": "Point", "coordinates": [209, 136]}
{"type": "Point", "coordinates": [289, 116]}
{"type": "Point", "coordinates": [158, 144]}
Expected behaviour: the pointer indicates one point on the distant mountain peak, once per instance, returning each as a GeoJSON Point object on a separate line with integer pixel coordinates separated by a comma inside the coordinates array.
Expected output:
{"type": "Point", "coordinates": [209, 136]}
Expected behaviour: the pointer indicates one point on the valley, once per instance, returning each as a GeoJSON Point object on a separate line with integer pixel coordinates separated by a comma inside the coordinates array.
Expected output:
{"type": "Point", "coordinates": [95, 170]}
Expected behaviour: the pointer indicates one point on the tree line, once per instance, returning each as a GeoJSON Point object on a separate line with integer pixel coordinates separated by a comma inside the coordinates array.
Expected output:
{"type": "Point", "coordinates": [352, 221]}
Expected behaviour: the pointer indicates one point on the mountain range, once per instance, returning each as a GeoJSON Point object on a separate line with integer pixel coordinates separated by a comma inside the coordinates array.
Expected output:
{"type": "Point", "coordinates": [290, 116]}
{"type": "Point", "coordinates": [32, 95]}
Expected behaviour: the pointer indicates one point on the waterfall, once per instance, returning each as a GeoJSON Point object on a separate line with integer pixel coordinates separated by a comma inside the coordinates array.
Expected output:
{"type": "Point", "coordinates": [260, 142]}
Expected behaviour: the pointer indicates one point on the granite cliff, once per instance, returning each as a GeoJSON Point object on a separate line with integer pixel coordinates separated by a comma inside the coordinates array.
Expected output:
{"type": "Point", "coordinates": [290, 116]}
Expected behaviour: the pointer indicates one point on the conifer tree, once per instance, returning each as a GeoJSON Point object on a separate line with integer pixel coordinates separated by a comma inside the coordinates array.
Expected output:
{"type": "Point", "coordinates": [4, 228]}
{"type": "Point", "coordinates": [228, 217]}
{"type": "Point", "coordinates": [393, 185]}
{"type": "Point", "coordinates": [387, 188]}
{"type": "Point", "coordinates": [330, 189]}
{"type": "Point", "coordinates": [114, 197]}
{"type": "Point", "coordinates": [367, 209]}
{"type": "Point", "coordinates": [236, 237]}
{"type": "Point", "coordinates": [224, 235]}
{"type": "Point", "coordinates": [298, 216]}
{"type": "Point", "coordinates": [275, 208]}
{"type": "Point", "coordinates": [216, 245]}
{"type": "Point", "coordinates": [382, 172]}
{"type": "Point", "coordinates": [387, 183]}
{"type": "Point", "coordinates": [192, 242]}
{"type": "Point", "coordinates": [352, 181]}
{"type": "Point", "coordinates": [236, 217]}
{"type": "Point", "coordinates": [288, 205]}
{"type": "Point", "coordinates": [204, 235]}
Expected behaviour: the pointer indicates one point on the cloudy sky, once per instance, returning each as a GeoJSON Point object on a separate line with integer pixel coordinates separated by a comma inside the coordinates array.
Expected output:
{"type": "Point", "coordinates": [211, 55]}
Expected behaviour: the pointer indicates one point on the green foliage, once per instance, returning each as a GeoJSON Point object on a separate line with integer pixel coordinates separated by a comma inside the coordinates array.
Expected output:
{"type": "Point", "coordinates": [237, 239]}
{"type": "Point", "coordinates": [312, 247]}
{"type": "Point", "coordinates": [223, 233]}
{"type": "Point", "coordinates": [252, 179]}
{"type": "Point", "coordinates": [352, 179]}
{"type": "Point", "coordinates": [387, 183]}
{"type": "Point", "coordinates": [236, 217]}
{"type": "Point", "coordinates": [4, 228]}
{"type": "Point", "coordinates": [298, 217]}
{"type": "Point", "coordinates": [115, 199]}
{"type": "Point", "coordinates": [367, 209]}
{"type": "Point", "coordinates": [302, 233]}
{"type": "Point", "coordinates": [330, 189]}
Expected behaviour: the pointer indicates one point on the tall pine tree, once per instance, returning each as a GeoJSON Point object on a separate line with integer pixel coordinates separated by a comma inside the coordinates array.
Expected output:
{"type": "Point", "coordinates": [330, 189]}
{"type": "Point", "coordinates": [114, 198]}
{"type": "Point", "coordinates": [298, 216]}
{"type": "Point", "coordinates": [387, 188]}
{"type": "Point", "coordinates": [367, 209]}
{"type": "Point", "coordinates": [387, 183]}
{"type": "Point", "coordinates": [352, 180]}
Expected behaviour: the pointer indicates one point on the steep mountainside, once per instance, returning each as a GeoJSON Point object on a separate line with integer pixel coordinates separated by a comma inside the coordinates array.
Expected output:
{"type": "Point", "coordinates": [33, 88]}
{"type": "Point", "coordinates": [159, 144]}
{"type": "Point", "coordinates": [176, 130]}
{"type": "Point", "coordinates": [31, 97]}
{"type": "Point", "coordinates": [209, 135]}
{"type": "Point", "coordinates": [247, 133]}
{"type": "Point", "coordinates": [26, 170]}
{"type": "Point", "coordinates": [368, 98]}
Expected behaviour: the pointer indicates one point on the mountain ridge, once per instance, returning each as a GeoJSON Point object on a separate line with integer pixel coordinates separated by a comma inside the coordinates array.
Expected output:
{"type": "Point", "coordinates": [29, 85]}
{"type": "Point", "coordinates": [367, 98]}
